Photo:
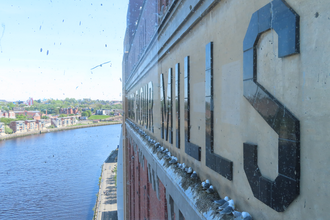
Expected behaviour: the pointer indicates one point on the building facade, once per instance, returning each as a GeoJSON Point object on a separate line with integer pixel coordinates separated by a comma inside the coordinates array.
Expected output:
{"type": "Point", "coordinates": [31, 125]}
{"type": "Point", "coordinates": [2, 128]}
{"type": "Point", "coordinates": [18, 126]}
{"type": "Point", "coordinates": [237, 91]}
{"type": "Point", "coordinates": [41, 124]}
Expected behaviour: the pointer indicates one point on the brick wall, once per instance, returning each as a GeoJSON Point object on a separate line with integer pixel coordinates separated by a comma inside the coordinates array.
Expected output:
{"type": "Point", "coordinates": [147, 194]}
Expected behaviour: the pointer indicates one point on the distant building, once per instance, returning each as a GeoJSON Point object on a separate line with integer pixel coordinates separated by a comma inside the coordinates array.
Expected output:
{"type": "Point", "coordinates": [63, 122]}
{"type": "Point", "coordinates": [5, 114]}
{"type": "Point", "coordinates": [18, 126]}
{"type": "Point", "coordinates": [29, 102]}
{"type": "Point", "coordinates": [100, 112]}
{"type": "Point", "coordinates": [9, 114]}
{"type": "Point", "coordinates": [107, 111]}
{"type": "Point", "coordinates": [41, 124]}
{"type": "Point", "coordinates": [31, 125]}
{"type": "Point", "coordinates": [57, 122]}
{"type": "Point", "coordinates": [68, 111]}
{"type": "Point", "coordinates": [36, 116]}
{"type": "Point", "coordinates": [18, 109]}
{"type": "Point", "coordinates": [29, 114]}
{"type": "Point", "coordinates": [2, 128]}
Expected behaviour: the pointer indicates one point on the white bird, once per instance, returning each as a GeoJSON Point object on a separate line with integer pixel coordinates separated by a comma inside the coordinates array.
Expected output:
{"type": "Point", "coordinates": [186, 169]}
{"type": "Point", "coordinates": [206, 184]}
{"type": "Point", "coordinates": [228, 210]}
{"type": "Point", "coordinates": [168, 155]}
{"type": "Point", "coordinates": [210, 190]}
{"type": "Point", "coordinates": [183, 166]}
{"type": "Point", "coordinates": [221, 201]}
{"type": "Point", "coordinates": [194, 175]}
{"type": "Point", "coordinates": [166, 150]}
{"type": "Point", "coordinates": [246, 216]}
{"type": "Point", "coordinates": [230, 202]}
{"type": "Point", "coordinates": [174, 160]}
{"type": "Point", "coordinates": [179, 165]}
{"type": "Point", "coordinates": [237, 214]}
{"type": "Point", "coordinates": [189, 171]}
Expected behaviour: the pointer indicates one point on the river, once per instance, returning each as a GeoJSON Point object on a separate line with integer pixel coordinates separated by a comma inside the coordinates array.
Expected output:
{"type": "Point", "coordinates": [54, 175]}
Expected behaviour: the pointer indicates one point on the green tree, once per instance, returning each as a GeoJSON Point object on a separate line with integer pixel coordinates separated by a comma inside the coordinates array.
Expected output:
{"type": "Point", "coordinates": [11, 105]}
{"type": "Point", "coordinates": [8, 130]}
{"type": "Point", "coordinates": [7, 120]}
{"type": "Point", "coordinates": [89, 113]}
{"type": "Point", "coordinates": [21, 117]}
{"type": "Point", "coordinates": [85, 114]}
{"type": "Point", "coordinates": [57, 111]}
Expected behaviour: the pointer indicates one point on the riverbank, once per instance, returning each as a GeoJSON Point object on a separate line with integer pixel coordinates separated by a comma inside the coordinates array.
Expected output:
{"type": "Point", "coordinates": [47, 130]}
{"type": "Point", "coordinates": [106, 204]}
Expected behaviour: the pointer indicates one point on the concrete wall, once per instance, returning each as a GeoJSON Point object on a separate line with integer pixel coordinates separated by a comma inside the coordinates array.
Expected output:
{"type": "Point", "coordinates": [299, 82]}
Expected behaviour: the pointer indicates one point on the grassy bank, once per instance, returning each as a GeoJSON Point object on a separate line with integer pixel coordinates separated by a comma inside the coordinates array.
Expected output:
{"type": "Point", "coordinates": [93, 117]}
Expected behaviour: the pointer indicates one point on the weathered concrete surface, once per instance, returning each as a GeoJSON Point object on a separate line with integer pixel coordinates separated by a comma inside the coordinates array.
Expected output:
{"type": "Point", "coordinates": [107, 199]}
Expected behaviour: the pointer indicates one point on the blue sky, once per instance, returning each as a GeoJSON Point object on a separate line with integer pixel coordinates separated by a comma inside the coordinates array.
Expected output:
{"type": "Point", "coordinates": [77, 35]}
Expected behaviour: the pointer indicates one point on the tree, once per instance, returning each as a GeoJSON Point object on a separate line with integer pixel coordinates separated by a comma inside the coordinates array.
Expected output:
{"type": "Point", "coordinates": [85, 114]}
{"type": "Point", "coordinates": [8, 130]}
{"type": "Point", "coordinates": [89, 113]}
{"type": "Point", "coordinates": [99, 106]}
{"type": "Point", "coordinates": [57, 111]}
{"type": "Point", "coordinates": [11, 105]}
{"type": "Point", "coordinates": [21, 117]}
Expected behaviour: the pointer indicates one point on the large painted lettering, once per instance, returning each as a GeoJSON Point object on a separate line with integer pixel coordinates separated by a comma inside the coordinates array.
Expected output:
{"type": "Point", "coordinates": [150, 107]}
{"type": "Point", "coordinates": [177, 104]}
{"type": "Point", "coordinates": [140, 106]}
{"type": "Point", "coordinates": [280, 193]}
{"type": "Point", "coordinates": [169, 101]}
{"type": "Point", "coordinates": [191, 149]}
{"type": "Point", "coordinates": [166, 107]}
{"type": "Point", "coordinates": [137, 101]}
{"type": "Point", "coordinates": [162, 105]}
{"type": "Point", "coordinates": [216, 162]}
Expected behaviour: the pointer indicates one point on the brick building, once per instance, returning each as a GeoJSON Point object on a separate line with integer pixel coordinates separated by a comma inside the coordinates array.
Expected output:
{"type": "Point", "coordinates": [7, 114]}
{"type": "Point", "coordinates": [41, 124]}
{"type": "Point", "coordinates": [31, 125]}
{"type": "Point", "coordinates": [68, 111]}
{"type": "Point", "coordinates": [36, 116]}
{"type": "Point", "coordinates": [18, 126]}
{"type": "Point", "coordinates": [29, 114]}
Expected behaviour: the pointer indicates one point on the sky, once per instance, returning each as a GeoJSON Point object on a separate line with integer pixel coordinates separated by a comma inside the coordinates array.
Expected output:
{"type": "Point", "coordinates": [48, 48]}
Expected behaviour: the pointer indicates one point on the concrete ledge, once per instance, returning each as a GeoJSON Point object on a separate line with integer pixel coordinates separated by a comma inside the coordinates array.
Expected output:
{"type": "Point", "coordinates": [186, 194]}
